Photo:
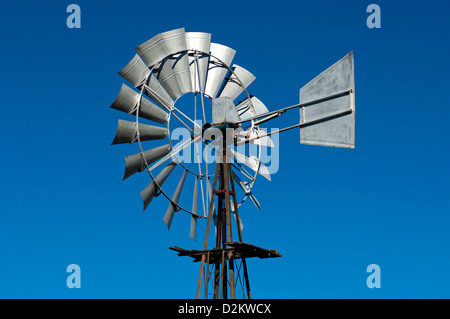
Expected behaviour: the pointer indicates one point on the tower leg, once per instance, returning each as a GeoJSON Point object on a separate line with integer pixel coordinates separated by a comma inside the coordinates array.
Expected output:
{"type": "Point", "coordinates": [226, 171]}
{"type": "Point", "coordinates": [238, 223]}
{"type": "Point", "coordinates": [208, 225]}
{"type": "Point", "coordinates": [224, 275]}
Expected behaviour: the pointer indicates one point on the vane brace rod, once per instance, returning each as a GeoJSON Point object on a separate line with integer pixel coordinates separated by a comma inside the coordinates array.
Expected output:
{"type": "Point", "coordinates": [266, 119]}
{"type": "Point", "coordinates": [326, 118]}
{"type": "Point", "coordinates": [280, 111]}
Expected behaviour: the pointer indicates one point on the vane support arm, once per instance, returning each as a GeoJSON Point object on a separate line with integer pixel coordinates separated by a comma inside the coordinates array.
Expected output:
{"type": "Point", "coordinates": [283, 110]}
{"type": "Point", "coordinates": [303, 122]}
{"type": "Point", "coordinates": [330, 117]}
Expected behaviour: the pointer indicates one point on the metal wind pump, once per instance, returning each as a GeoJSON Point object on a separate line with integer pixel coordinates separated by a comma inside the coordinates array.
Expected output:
{"type": "Point", "coordinates": [182, 80]}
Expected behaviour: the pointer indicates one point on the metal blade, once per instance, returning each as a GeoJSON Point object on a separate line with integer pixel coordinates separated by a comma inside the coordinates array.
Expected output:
{"type": "Point", "coordinates": [168, 50]}
{"type": "Point", "coordinates": [253, 163]}
{"type": "Point", "coordinates": [135, 71]}
{"type": "Point", "coordinates": [127, 132]}
{"type": "Point", "coordinates": [155, 91]}
{"type": "Point", "coordinates": [162, 45]}
{"type": "Point", "coordinates": [252, 135]}
{"type": "Point", "coordinates": [234, 215]}
{"type": "Point", "coordinates": [127, 101]}
{"type": "Point", "coordinates": [232, 86]}
{"type": "Point", "coordinates": [176, 196]}
{"type": "Point", "coordinates": [198, 41]}
{"type": "Point", "coordinates": [174, 74]}
{"type": "Point", "coordinates": [332, 131]}
{"type": "Point", "coordinates": [240, 183]}
{"type": "Point", "coordinates": [246, 111]}
{"type": "Point", "coordinates": [217, 72]}
{"type": "Point", "coordinates": [195, 197]}
{"type": "Point", "coordinates": [135, 163]}
{"type": "Point", "coordinates": [150, 191]}
{"type": "Point", "coordinates": [254, 200]}
{"type": "Point", "coordinates": [246, 189]}
{"type": "Point", "coordinates": [193, 228]}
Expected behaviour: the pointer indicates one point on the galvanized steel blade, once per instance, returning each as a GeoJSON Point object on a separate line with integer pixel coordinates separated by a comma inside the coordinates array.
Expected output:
{"type": "Point", "coordinates": [174, 74]}
{"type": "Point", "coordinates": [150, 191]}
{"type": "Point", "coordinates": [246, 189]}
{"type": "Point", "coordinates": [198, 63]}
{"type": "Point", "coordinates": [259, 138]}
{"type": "Point", "coordinates": [162, 45]}
{"type": "Point", "coordinates": [154, 90]}
{"type": "Point", "coordinates": [332, 131]}
{"type": "Point", "coordinates": [193, 228]}
{"type": "Point", "coordinates": [175, 151]}
{"type": "Point", "coordinates": [235, 79]}
{"type": "Point", "coordinates": [167, 55]}
{"type": "Point", "coordinates": [242, 170]}
{"type": "Point", "coordinates": [129, 100]}
{"type": "Point", "coordinates": [241, 184]}
{"type": "Point", "coordinates": [234, 215]}
{"type": "Point", "coordinates": [176, 196]}
{"type": "Point", "coordinates": [195, 196]}
{"type": "Point", "coordinates": [216, 71]}
{"type": "Point", "coordinates": [254, 135]}
{"type": "Point", "coordinates": [254, 200]}
{"type": "Point", "coordinates": [136, 163]}
{"type": "Point", "coordinates": [135, 72]}
{"type": "Point", "coordinates": [248, 110]}
{"type": "Point", "coordinates": [127, 132]}
{"type": "Point", "coordinates": [138, 74]}
{"type": "Point", "coordinates": [253, 163]}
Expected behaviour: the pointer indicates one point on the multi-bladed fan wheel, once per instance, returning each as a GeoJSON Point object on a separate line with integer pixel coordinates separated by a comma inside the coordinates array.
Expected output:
{"type": "Point", "coordinates": [175, 76]}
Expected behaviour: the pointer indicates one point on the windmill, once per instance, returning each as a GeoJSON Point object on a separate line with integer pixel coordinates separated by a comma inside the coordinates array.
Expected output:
{"type": "Point", "coordinates": [176, 65]}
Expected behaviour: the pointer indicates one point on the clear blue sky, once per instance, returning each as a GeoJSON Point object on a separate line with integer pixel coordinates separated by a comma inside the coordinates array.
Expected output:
{"type": "Point", "coordinates": [329, 212]}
